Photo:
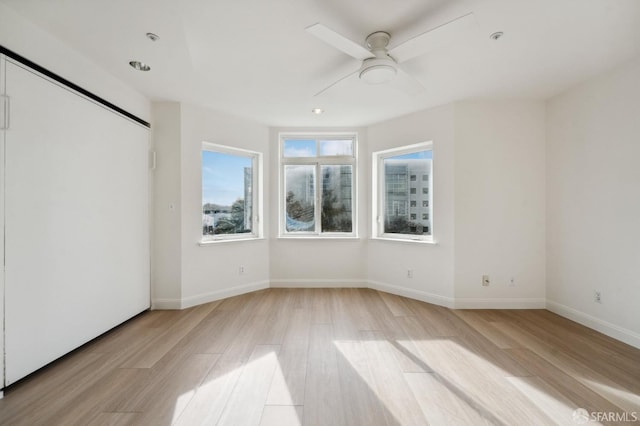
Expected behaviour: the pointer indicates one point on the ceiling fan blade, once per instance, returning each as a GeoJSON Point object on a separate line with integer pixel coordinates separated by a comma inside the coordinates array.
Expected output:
{"type": "Point", "coordinates": [406, 83]}
{"type": "Point", "coordinates": [336, 82]}
{"type": "Point", "coordinates": [339, 41]}
{"type": "Point", "coordinates": [436, 37]}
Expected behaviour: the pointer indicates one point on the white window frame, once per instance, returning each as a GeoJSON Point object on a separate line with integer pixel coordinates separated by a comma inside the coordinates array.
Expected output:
{"type": "Point", "coordinates": [378, 193]}
{"type": "Point", "coordinates": [318, 161]}
{"type": "Point", "coordinates": [257, 193]}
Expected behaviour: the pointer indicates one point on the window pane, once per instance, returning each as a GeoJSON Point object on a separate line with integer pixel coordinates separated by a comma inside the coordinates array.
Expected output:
{"type": "Point", "coordinates": [336, 198]}
{"type": "Point", "coordinates": [299, 148]}
{"type": "Point", "coordinates": [300, 198]}
{"type": "Point", "coordinates": [227, 193]}
{"type": "Point", "coordinates": [399, 173]}
{"type": "Point", "coordinates": [336, 147]}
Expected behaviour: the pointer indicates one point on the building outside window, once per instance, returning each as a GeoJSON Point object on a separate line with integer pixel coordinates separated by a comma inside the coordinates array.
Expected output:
{"type": "Point", "coordinates": [317, 185]}
{"type": "Point", "coordinates": [395, 187]}
{"type": "Point", "coordinates": [230, 193]}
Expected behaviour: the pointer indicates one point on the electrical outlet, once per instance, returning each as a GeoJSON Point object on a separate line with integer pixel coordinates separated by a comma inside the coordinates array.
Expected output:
{"type": "Point", "coordinates": [597, 297]}
{"type": "Point", "coordinates": [240, 269]}
{"type": "Point", "coordinates": [485, 280]}
{"type": "Point", "coordinates": [409, 273]}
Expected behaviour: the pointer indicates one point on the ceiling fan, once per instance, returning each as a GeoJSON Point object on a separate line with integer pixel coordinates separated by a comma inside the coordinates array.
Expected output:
{"type": "Point", "coordinates": [381, 64]}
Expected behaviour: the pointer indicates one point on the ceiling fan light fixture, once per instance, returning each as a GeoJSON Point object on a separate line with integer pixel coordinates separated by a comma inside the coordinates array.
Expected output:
{"type": "Point", "coordinates": [378, 74]}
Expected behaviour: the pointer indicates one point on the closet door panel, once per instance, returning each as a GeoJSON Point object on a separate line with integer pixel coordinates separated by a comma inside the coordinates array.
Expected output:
{"type": "Point", "coordinates": [76, 230]}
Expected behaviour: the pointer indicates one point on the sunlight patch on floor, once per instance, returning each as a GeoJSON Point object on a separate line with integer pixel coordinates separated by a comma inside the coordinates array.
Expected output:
{"type": "Point", "coordinates": [621, 397]}
{"type": "Point", "coordinates": [181, 403]}
{"type": "Point", "coordinates": [279, 386]}
{"type": "Point", "coordinates": [559, 409]}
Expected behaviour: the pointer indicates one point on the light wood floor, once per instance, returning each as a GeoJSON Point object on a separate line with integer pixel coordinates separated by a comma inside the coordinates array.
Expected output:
{"type": "Point", "coordinates": [333, 357]}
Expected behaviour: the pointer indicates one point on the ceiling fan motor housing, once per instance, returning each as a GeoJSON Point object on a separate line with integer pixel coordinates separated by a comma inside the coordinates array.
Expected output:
{"type": "Point", "coordinates": [378, 70]}
{"type": "Point", "coordinates": [381, 68]}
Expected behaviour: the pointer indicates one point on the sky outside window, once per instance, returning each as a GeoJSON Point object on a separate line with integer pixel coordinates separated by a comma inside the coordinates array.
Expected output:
{"type": "Point", "coordinates": [336, 147]}
{"type": "Point", "coordinates": [299, 148]}
{"type": "Point", "coordinates": [223, 177]}
{"type": "Point", "coordinates": [423, 155]}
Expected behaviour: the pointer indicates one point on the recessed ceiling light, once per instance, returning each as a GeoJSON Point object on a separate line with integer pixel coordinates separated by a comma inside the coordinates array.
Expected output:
{"type": "Point", "coordinates": [317, 111]}
{"type": "Point", "coordinates": [153, 37]}
{"type": "Point", "coordinates": [496, 35]}
{"type": "Point", "coordinates": [140, 66]}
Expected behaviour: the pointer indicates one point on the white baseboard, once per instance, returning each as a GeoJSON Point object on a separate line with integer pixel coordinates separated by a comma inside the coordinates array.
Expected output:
{"type": "Point", "coordinates": [619, 333]}
{"type": "Point", "coordinates": [500, 303]}
{"type": "Point", "coordinates": [208, 297]}
{"type": "Point", "coordinates": [312, 283]}
{"type": "Point", "coordinates": [423, 296]}
{"type": "Point", "coordinates": [158, 304]}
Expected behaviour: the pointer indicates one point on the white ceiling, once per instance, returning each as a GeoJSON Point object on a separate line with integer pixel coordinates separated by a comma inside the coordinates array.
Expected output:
{"type": "Point", "coordinates": [253, 58]}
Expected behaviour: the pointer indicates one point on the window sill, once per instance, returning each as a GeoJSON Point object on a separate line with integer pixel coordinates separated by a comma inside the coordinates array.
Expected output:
{"type": "Point", "coordinates": [318, 238]}
{"type": "Point", "coordinates": [227, 240]}
{"type": "Point", "coordinates": [405, 240]}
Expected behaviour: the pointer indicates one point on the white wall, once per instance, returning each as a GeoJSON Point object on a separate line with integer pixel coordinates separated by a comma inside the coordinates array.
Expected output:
{"type": "Point", "coordinates": [593, 207]}
{"type": "Point", "coordinates": [186, 273]}
{"type": "Point", "coordinates": [500, 203]}
{"type": "Point", "coordinates": [212, 272]}
{"type": "Point", "coordinates": [166, 260]}
{"type": "Point", "coordinates": [432, 264]}
{"type": "Point", "coordinates": [313, 262]}
{"type": "Point", "coordinates": [35, 44]}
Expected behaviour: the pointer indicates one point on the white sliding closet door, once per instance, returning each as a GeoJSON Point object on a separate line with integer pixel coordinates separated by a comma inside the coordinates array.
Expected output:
{"type": "Point", "coordinates": [76, 221]}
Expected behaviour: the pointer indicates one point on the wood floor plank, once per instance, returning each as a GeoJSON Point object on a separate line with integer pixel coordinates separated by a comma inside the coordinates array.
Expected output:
{"type": "Point", "coordinates": [358, 386]}
{"type": "Point", "coordinates": [594, 380]}
{"type": "Point", "coordinates": [276, 310]}
{"type": "Point", "coordinates": [115, 419]}
{"type": "Point", "coordinates": [578, 344]}
{"type": "Point", "coordinates": [433, 319]}
{"type": "Point", "coordinates": [212, 395]}
{"type": "Point", "coordinates": [135, 332]}
{"type": "Point", "coordinates": [404, 347]}
{"type": "Point", "coordinates": [170, 386]}
{"type": "Point", "coordinates": [566, 385]}
{"type": "Point", "coordinates": [299, 325]}
{"type": "Point", "coordinates": [478, 381]}
{"type": "Point", "coordinates": [281, 415]}
{"type": "Point", "coordinates": [38, 397]}
{"type": "Point", "coordinates": [396, 304]}
{"type": "Point", "coordinates": [117, 382]}
{"type": "Point", "coordinates": [332, 356]}
{"type": "Point", "coordinates": [401, 405]}
{"type": "Point", "coordinates": [321, 306]}
{"type": "Point", "coordinates": [215, 333]}
{"type": "Point", "coordinates": [440, 405]}
{"type": "Point", "coordinates": [477, 321]}
{"type": "Point", "coordinates": [288, 384]}
{"type": "Point", "coordinates": [158, 347]}
{"type": "Point", "coordinates": [557, 406]}
{"type": "Point", "coordinates": [246, 338]}
{"type": "Point", "coordinates": [246, 403]}
{"type": "Point", "coordinates": [323, 397]}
